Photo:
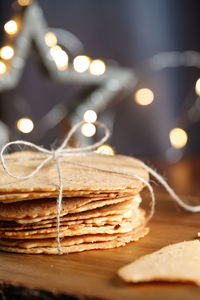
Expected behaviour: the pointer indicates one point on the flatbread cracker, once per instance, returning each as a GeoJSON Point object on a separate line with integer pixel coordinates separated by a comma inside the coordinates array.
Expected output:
{"type": "Point", "coordinates": [66, 241]}
{"type": "Point", "coordinates": [48, 207]}
{"type": "Point", "coordinates": [114, 219]}
{"type": "Point", "coordinates": [87, 207]}
{"type": "Point", "coordinates": [79, 229]}
{"type": "Point", "coordinates": [117, 242]}
{"type": "Point", "coordinates": [12, 197]}
{"type": "Point", "coordinates": [81, 177]}
{"type": "Point", "coordinates": [179, 262]}
{"type": "Point", "coordinates": [108, 210]}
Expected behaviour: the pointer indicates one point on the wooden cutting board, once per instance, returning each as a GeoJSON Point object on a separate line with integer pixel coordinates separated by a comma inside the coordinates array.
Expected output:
{"type": "Point", "coordinates": [93, 274]}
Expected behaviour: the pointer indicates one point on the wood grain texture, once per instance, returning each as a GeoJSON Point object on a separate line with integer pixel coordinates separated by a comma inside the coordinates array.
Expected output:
{"type": "Point", "coordinates": [93, 274]}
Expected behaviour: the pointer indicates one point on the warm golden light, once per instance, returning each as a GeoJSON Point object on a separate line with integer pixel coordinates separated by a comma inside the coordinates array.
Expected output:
{"type": "Point", "coordinates": [25, 125]}
{"type": "Point", "coordinates": [3, 68]}
{"type": "Point", "coordinates": [7, 52]}
{"type": "Point", "coordinates": [144, 96]}
{"type": "Point", "coordinates": [178, 138]}
{"type": "Point", "coordinates": [50, 39]}
{"type": "Point", "coordinates": [90, 116]}
{"type": "Point", "coordinates": [24, 2]}
{"type": "Point", "coordinates": [97, 67]}
{"type": "Point", "coordinates": [55, 49]}
{"type": "Point", "coordinates": [60, 57]}
{"type": "Point", "coordinates": [88, 129]}
{"type": "Point", "coordinates": [11, 27]}
{"type": "Point", "coordinates": [81, 63]}
{"type": "Point", "coordinates": [105, 149]}
{"type": "Point", "coordinates": [197, 87]}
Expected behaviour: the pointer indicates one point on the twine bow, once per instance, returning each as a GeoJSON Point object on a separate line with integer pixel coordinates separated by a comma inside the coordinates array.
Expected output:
{"type": "Point", "coordinates": [65, 151]}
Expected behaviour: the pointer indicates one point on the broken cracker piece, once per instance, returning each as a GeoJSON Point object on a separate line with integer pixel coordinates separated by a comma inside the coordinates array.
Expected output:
{"type": "Point", "coordinates": [175, 263]}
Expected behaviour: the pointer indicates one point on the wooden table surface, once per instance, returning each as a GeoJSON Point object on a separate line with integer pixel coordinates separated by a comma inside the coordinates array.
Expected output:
{"type": "Point", "coordinates": [93, 274]}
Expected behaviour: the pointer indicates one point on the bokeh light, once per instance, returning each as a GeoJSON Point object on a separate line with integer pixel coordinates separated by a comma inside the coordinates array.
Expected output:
{"type": "Point", "coordinates": [81, 63]}
{"type": "Point", "coordinates": [90, 116]}
{"type": "Point", "coordinates": [55, 49]}
{"type": "Point", "coordinates": [50, 39]}
{"type": "Point", "coordinates": [3, 68]}
{"type": "Point", "coordinates": [178, 138]}
{"type": "Point", "coordinates": [144, 96]}
{"type": "Point", "coordinates": [105, 149]}
{"type": "Point", "coordinates": [197, 87]}
{"type": "Point", "coordinates": [25, 125]}
{"type": "Point", "coordinates": [60, 57]}
{"type": "Point", "coordinates": [7, 52]}
{"type": "Point", "coordinates": [24, 2]}
{"type": "Point", "coordinates": [97, 67]}
{"type": "Point", "coordinates": [88, 129]}
{"type": "Point", "coordinates": [11, 27]}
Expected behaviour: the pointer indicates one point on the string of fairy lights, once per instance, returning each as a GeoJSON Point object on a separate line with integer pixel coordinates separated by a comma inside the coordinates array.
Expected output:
{"type": "Point", "coordinates": [178, 136]}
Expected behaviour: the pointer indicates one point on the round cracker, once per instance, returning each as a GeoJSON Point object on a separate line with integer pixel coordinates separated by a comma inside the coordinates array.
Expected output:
{"type": "Point", "coordinates": [93, 172]}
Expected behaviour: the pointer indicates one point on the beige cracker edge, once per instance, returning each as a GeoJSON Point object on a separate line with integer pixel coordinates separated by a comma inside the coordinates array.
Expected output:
{"type": "Point", "coordinates": [175, 263]}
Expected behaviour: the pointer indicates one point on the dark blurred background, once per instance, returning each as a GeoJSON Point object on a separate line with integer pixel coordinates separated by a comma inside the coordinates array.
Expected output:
{"type": "Point", "coordinates": [129, 33]}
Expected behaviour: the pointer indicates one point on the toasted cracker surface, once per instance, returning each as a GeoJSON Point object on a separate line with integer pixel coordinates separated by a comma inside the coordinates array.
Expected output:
{"type": "Point", "coordinates": [109, 219]}
{"type": "Point", "coordinates": [178, 262]}
{"type": "Point", "coordinates": [77, 229]}
{"type": "Point", "coordinates": [7, 198]}
{"type": "Point", "coordinates": [91, 174]}
{"type": "Point", "coordinates": [80, 246]}
{"type": "Point", "coordinates": [67, 241]}
{"type": "Point", "coordinates": [37, 210]}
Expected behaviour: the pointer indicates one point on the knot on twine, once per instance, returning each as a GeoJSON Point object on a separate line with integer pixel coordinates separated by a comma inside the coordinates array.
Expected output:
{"type": "Point", "coordinates": [64, 150]}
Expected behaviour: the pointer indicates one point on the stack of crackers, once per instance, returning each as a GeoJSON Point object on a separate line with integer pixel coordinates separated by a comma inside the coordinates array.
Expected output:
{"type": "Point", "coordinates": [100, 207]}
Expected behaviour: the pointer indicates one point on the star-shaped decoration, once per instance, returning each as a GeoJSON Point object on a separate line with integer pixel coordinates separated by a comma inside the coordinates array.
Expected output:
{"type": "Point", "coordinates": [29, 29]}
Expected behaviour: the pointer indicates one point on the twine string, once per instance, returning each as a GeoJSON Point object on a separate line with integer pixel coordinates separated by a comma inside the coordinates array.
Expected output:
{"type": "Point", "coordinates": [64, 150]}
{"type": "Point", "coordinates": [172, 193]}
{"type": "Point", "coordinates": [59, 204]}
